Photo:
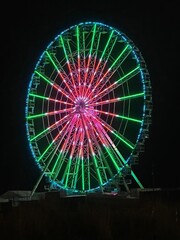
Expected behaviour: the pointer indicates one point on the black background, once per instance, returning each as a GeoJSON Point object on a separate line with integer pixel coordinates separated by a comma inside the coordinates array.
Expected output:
{"type": "Point", "coordinates": [27, 29]}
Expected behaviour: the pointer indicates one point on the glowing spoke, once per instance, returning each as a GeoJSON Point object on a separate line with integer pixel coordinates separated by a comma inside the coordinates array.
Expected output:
{"type": "Point", "coordinates": [102, 135]}
{"type": "Point", "coordinates": [120, 156]}
{"type": "Point", "coordinates": [51, 113]}
{"type": "Point", "coordinates": [116, 84]}
{"type": "Point", "coordinates": [78, 56]}
{"type": "Point", "coordinates": [51, 144]}
{"type": "Point", "coordinates": [69, 66]}
{"type": "Point", "coordinates": [89, 58]}
{"type": "Point", "coordinates": [60, 71]}
{"type": "Point", "coordinates": [109, 144]}
{"type": "Point", "coordinates": [51, 127]}
{"type": "Point", "coordinates": [80, 157]}
{"type": "Point", "coordinates": [109, 73]}
{"type": "Point", "coordinates": [49, 99]}
{"type": "Point", "coordinates": [132, 96]}
{"type": "Point", "coordinates": [113, 100]}
{"type": "Point", "coordinates": [119, 116]}
{"type": "Point", "coordinates": [100, 61]}
{"type": "Point", "coordinates": [105, 102]}
{"type": "Point", "coordinates": [66, 145]}
{"type": "Point", "coordinates": [59, 89]}
{"type": "Point", "coordinates": [115, 133]}
{"type": "Point", "coordinates": [92, 152]}
{"type": "Point", "coordinates": [61, 157]}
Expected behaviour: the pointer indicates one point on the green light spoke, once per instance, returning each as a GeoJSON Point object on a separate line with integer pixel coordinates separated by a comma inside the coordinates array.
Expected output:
{"type": "Point", "coordinates": [99, 131]}
{"type": "Point", "coordinates": [64, 149]}
{"type": "Point", "coordinates": [132, 96]}
{"type": "Point", "coordinates": [116, 84]}
{"type": "Point", "coordinates": [108, 149]}
{"type": "Point", "coordinates": [113, 68]}
{"type": "Point", "coordinates": [136, 179]}
{"type": "Point", "coordinates": [104, 59]}
{"type": "Point", "coordinates": [128, 76]}
{"type": "Point", "coordinates": [83, 48]}
{"type": "Point", "coordinates": [76, 172]}
{"type": "Point", "coordinates": [57, 166]}
{"type": "Point", "coordinates": [50, 113]}
{"type": "Point", "coordinates": [118, 116]}
{"type": "Point", "coordinates": [130, 119]}
{"type": "Point", "coordinates": [114, 100]}
{"type": "Point", "coordinates": [88, 174]}
{"type": "Point", "coordinates": [78, 44]}
{"type": "Point", "coordinates": [107, 44]}
{"type": "Point", "coordinates": [97, 169]}
{"type": "Point", "coordinates": [82, 167]}
{"type": "Point", "coordinates": [119, 59]}
{"type": "Point", "coordinates": [81, 153]}
{"type": "Point", "coordinates": [92, 152]}
{"type": "Point", "coordinates": [54, 85]}
{"type": "Point", "coordinates": [99, 152]}
{"type": "Point", "coordinates": [103, 138]}
{"type": "Point", "coordinates": [56, 66]}
{"type": "Point", "coordinates": [70, 170]}
{"type": "Point", "coordinates": [118, 159]}
{"type": "Point", "coordinates": [116, 133]}
{"type": "Point", "coordinates": [37, 116]}
{"type": "Point", "coordinates": [51, 158]}
{"type": "Point", "coordinates": [46, 151]}
{"type": "Point", "coordinates": [62, 156]}
{"type": "Point", "coordinates": [60, 70]}
{"type": "Point", "coordinates": [72, 62]}
{"type": "Point", "coordinates": [78, 54]}
{"type": "Point", "coordinates": [40, 134]}
{"type": "Point", "coordinates": [50, 145]}
{"type": "Point", "coordinates": [50, 128]}
{"type": "Point", "coordinates": [110, 146]}
{"type": "Point", "coordinates": [95, 61]}
{"type": "Point", "coordinates": [79, 158]}
{"type": "Point", "coordinates": [112, 158]}
{"type": "Point", "coordinates": [123, 139]}
{"type": "Point", "coordinates": [49, 99]}
{"type": "Point", "coordinates": [69, 60]}
{"type": "Point", "coordinates": [113, 147]}
{"type": "Point", "coordinates": [67, 171]}
{"type": "Point", "coordinates": [89, 57]}
{"type": "Point", "coordinates": [92, 42]}
{"type": "Point", "coordinates": [105, 102]}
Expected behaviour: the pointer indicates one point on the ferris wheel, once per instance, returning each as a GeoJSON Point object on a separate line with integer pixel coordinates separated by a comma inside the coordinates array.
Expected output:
{"type": "Point", "coordinates": [88, 108]}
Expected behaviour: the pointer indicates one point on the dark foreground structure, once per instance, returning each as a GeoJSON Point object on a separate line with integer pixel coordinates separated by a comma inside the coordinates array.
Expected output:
{"type": "Point", "coordinates": [150, 215]}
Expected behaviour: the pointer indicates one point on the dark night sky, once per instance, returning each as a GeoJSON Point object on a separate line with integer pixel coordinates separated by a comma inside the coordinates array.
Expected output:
{"type": "Point", "coordinates": [28, 29]}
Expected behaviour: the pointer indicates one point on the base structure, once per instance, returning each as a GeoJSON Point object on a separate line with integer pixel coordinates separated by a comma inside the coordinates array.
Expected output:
{"type": "Point", "coordinates": [116, 186]}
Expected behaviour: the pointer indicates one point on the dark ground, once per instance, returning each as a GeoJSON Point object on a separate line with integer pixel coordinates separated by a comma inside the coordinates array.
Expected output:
{"type": "Point", "coordinates": [154, 215]}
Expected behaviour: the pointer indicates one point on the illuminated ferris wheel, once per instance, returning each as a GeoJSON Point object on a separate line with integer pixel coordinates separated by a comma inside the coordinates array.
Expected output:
{"type": "Point", "coordinates": [88, 108]}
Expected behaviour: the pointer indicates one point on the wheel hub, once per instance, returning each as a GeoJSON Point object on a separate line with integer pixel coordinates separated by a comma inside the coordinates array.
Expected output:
{"type": "Point", "coordinates": [80, 106]}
